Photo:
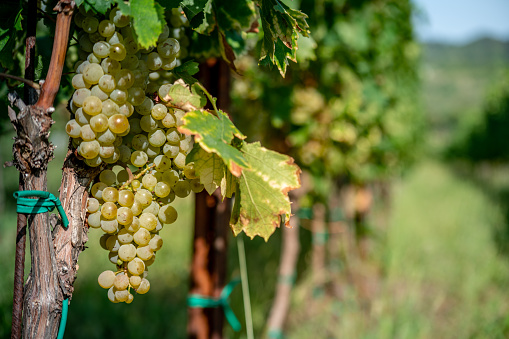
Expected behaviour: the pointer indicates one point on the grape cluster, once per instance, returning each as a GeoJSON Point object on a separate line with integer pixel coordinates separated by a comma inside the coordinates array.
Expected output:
{"type": "Point", "coordinates": [122, 122]}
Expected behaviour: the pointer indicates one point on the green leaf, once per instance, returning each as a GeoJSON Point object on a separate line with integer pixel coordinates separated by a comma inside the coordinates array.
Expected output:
{"type": "Point", "coordinates": [10, 24]}
{"type": "Point", "coordinates": [186, 70]}
{"type": "Point", "coordinates": [124, 7]}
{"type": "Point", "coordinates": [261, 200]}
{"type": "Point", "coordinates": [205, 23]}
{"type": "Point", "coordinates": [235, 15]}
{"type": "Point", "coordinates": [281, 26]}
{"type": "Point", "coordinates": [169, 4]}
{"type": "Point", "coordinates": [100, 6]}
{"type": "Point", "coordinates": [214, 135]}
{"type": "Point", "coordinates": [193, 7]}
{"type": "Point", "coordinates": [182, 97]}
{"type": "Point", "coordinates": [209, 167]}
{"type": "Point", "coordinates": [148, 20]}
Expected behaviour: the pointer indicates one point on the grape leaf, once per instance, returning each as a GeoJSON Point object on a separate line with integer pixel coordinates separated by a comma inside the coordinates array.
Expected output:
{"type": "Point", "coordinates": [10, 23]}
{"type": "Point", "coordinates": [209, 167]}
{"type": "Point", "coordinates": [186, 70]}
{"type": "Point", "coordinates": [148, 20]}
{"type": "Point", "coordinates": [235, 15]}
{"type": "Point", "coordinates": [262, 198]}
{"type": "Point", "coordinates": [206, 22]}
{"type": "Point", "coordinates": [214, 135]}
{"type": "Point", "coordinates": [100, 6]}
{"type": "Point", "coordinates": [169, 4]}
{"type": "Point", "coordinates": [193, 7]}
{"type": "Point", "coordinates": [281, 26]}
{"type": "Point", "coordinates": [182, 97]}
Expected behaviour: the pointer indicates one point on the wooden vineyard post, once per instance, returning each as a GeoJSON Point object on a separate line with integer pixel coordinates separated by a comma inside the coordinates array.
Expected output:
{"type": "Point", "coordinates": [211, 229]}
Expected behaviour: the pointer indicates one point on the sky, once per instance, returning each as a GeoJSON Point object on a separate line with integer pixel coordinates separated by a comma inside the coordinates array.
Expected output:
{"type": "Point", "coordinates": [461, 21]}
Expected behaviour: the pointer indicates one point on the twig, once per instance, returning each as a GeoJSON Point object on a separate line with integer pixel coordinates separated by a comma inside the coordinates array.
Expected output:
{"type": "Point", "coordinates": [46, 15]}
{"type": "Point", "coordinates": [28, 82]}
{"type": "Point", "coordinates": [137, 176]}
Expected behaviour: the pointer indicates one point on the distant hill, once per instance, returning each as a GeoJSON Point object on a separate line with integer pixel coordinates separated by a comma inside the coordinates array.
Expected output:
{"type": "Point", "coordinates": [455, 79]}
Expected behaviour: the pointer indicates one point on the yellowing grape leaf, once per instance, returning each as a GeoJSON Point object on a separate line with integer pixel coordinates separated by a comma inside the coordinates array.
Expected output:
{"type": "Point", "coordinates": [262, 198]}
{"type": "Point", "coordinates": [210, 168]}
{"type": "Point", "coordinates": [214, 134]}
{"type": "Point", "coordinates": [184, 98]}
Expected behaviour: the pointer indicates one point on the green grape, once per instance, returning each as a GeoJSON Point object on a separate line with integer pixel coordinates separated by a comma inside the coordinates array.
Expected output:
{"type": "Point", "coordinates": [139, 158]}
{"type": "Point", "coordinates": [142, 236]}
{"type": "Point", "coordinates": [130, 299]}
{"type": "Point", "coordinates": [116, 38]}
{"type": "Point", "coordinates": [155, 243]}
{"type": "Point", "coordinates": [101, 49]}
{"type": "Point", "coordinates": [79, 96]}
{"type": "Point", "coordinates": [148, 221]}
{"type": "Point", "coordinates": [171, 151]}
{"type": "Point", "coordinates": [78, 82]}
{"type": "Point", "coordinates": [81, 117]}
{"type": "Point", "coordinates": [136, 267]}
{"type": "Point", "coordinates": [89, 24]}
{"type": "Point", "coordinates": [113, 256]}
{"type": "Point", "coordinates": [124, 79]}
{"type": "Point", "coordinates": [154, 76]}
{"type": "Point", "coordinates": [164, 35]}
{"type": "Point", "coordinates": [167, 214]}
{"type": "Point", "coordinates": [144, 252]}
{"type": "Point", "coordinates": [135, 126]}
{"type": "Point", "coordinates": [94, 162]}
{"type": "Point", "coordinates": [153, 151]}
{"type": "Point", "coordinates": [180, 161]}
{"type": "Point", "coordinates": [130, 62]}
{"type": "Point", "coordinates": [119, 19]}
{"type": "Point", "coordinates": [98, 92]}
{"type": "Point", "coordinates": [152, 208]}
{"type": "Point", "coordinates": [114, 158]}
{"type": "Point", "coordinates": [157, 138]}
{"type": "Point", "coordinates": [196, 186]}
{"type": "Point", "coordinates": [179, 115]}
{"type": "Point", "coordinates": [86, 133]}
{"type": "Point", "coordinates": [136, 95]}
{"type": "Point", "coordinates": [117, 52]}
{"type": "Point", "coordinates": [119, 96]}
{"type": "Point", "coordinates": [149, 181]}
{"type": "Point", "coordinates": [154, 61]}
{"type": "Point", "coordinates": [171, 177]}
{"type": "Point", "coordinates": [140, 142]}
{"type": "Point", "coordinates": [148, 124]}
{"type": "Point", "coordinates": [109, 226]}
{"type": "Point", "coordinates": [135, 280]}
{"type": "Point", "coordinates": [97, 190]}
{"type": "Point", "coordinates": [144, 197]}
{"type": "Point", "coordinates": [107, 83]}
{"type": "Point", "coordinates": [126, 109]}
{"type": "Point", "coordinates": [78, 19]}
{"type": "Point", "coordinates": [112, 243]}
{"type": "Point", "coordinates": [159, 111]}
{"type": "Point", "coordinates": [94, 219]}
{"type": "Point", "coordinates": [145, 107]}
{"type": "Point", "coordinates": [182, 188]}
{"type": "Point", "coordinates": [85, 44]}
{"type": "Point", "coordinates": [89, 149]}
{"type": "Point", "coordinates": [93, 59]}
{"type": "Point", "coordinates": [168, 199]}
{"type": "Point", "coordinates": [162, 189]}
{"type": "Point", "coordinates": [136, 184]}
{"type": "Point", "coordinates": [108, 177]}
{"type": "Point", "coordinates": [110, 108]}
{"type": "Point", "coordinates": [169, 63]}
{"type": "Point", "coordinates": [92, 205]}
{"type": "Point", "coordinates": [92, 105]}
{"type": "Point", "coordinates": [103, 239]}
{"type": "Point", "coordinates": [121, 282]}
{"type": "Point", "coordinates": [109, 210]}
{"type": "Point", "coordinates": [99, 123]}
{"type": "Point", "coordinates": [189, 171]}
{"type": "Point", "coordinates": [127, 252]}
{"type": "Point", "coordinates": [106, 138]}
{"type": "Point", "coordinates": [173, 136]}
{"type": "Point", "coordinates": [73, 129]}
{"type": "Point", "coordinates": [111, 292]}
{"type": "Point", "coordinates": [122, 177]}
{"type": "Point", "coordinates": [168, 48]}
{"type": "Point", "coordinates": [125, 155]}
{"type": "Point", "coordinates": [125, 198]}
{"type": "Point", "coordinates": [110, 66]}
{"type": "Point", "coordinates": [82, 65]}
{"type": "Point", "coordinates": [140, 77]}
{"type": "Point", "coordinates": [163, 163]}
{"type": "Point", "coordinates": [106, 151]}
{"type": "Point", "coordinates": [186, 145]}
{"type": "Point", "coordinates": [106, 279]}
{"type": "Point", "coordinates": [134, 226]}
{"type": "Point", "coordinates": [106, 28]}
{"type": "Point", "coordinates": [144, 286]}
{"type": "Point", "coordinates": [92, 73]}
{"type": "Point", "coordinates": [131, 45]}
{"type": "Point", "coordinates": [110, 194]}
{"type": "Point", "coordinates": [95, 37]}
{"type": "Point", "coordinates": [118, 123]}
{"type": "Point", "coordinates": [163, 92]}
{"type": "Point", "coordinates": [124, 216]}
{"type": "Point", "coordinates": [122, 295]}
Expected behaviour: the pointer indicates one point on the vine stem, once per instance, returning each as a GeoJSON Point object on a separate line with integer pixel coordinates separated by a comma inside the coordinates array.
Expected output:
{"type": "Point", "coordinates": [137, 176]}
{"type": "Point", "coordinates": [26, 81]}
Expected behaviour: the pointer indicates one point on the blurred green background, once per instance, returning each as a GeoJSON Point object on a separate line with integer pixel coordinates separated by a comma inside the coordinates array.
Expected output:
{"type": "Point", "coordinates": [443, 256]}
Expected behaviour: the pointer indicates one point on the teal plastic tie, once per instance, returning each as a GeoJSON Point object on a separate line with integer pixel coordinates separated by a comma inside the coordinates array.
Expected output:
{"type": "Point", "coordinates": [287, 279]}
{"type": "Point", "coordinates": [276, 334]}
{"type": "Point", "coordinates": [199, 301]}
{"type": "Point", "coordinates": [63, 319]}
{"type": "Point", "coordinates": [320, 238]}
{"type": "Point", "coordinates": [46, 203]}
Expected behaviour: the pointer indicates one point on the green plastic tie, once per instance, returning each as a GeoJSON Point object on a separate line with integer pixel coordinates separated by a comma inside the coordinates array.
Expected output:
{"type": "Point", "coordinates": [276, 334]}
{"type": "Point", "coordinates": [199, 301]}
{"type": "Point", "coordinates": [63, 319]}
{"type": "Point", "coordinates": [320, 238]}
{"type": "Point", "coordinates": [46, 203]}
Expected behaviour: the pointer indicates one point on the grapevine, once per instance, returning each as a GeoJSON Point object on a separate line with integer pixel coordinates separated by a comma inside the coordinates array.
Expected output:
{"type": "Point", "coordinates": [122, 119]}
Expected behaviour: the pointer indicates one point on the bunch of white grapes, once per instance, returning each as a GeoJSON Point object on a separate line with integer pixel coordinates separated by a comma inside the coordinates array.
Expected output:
{"type": "Point", "coordinates": [121, 119]}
